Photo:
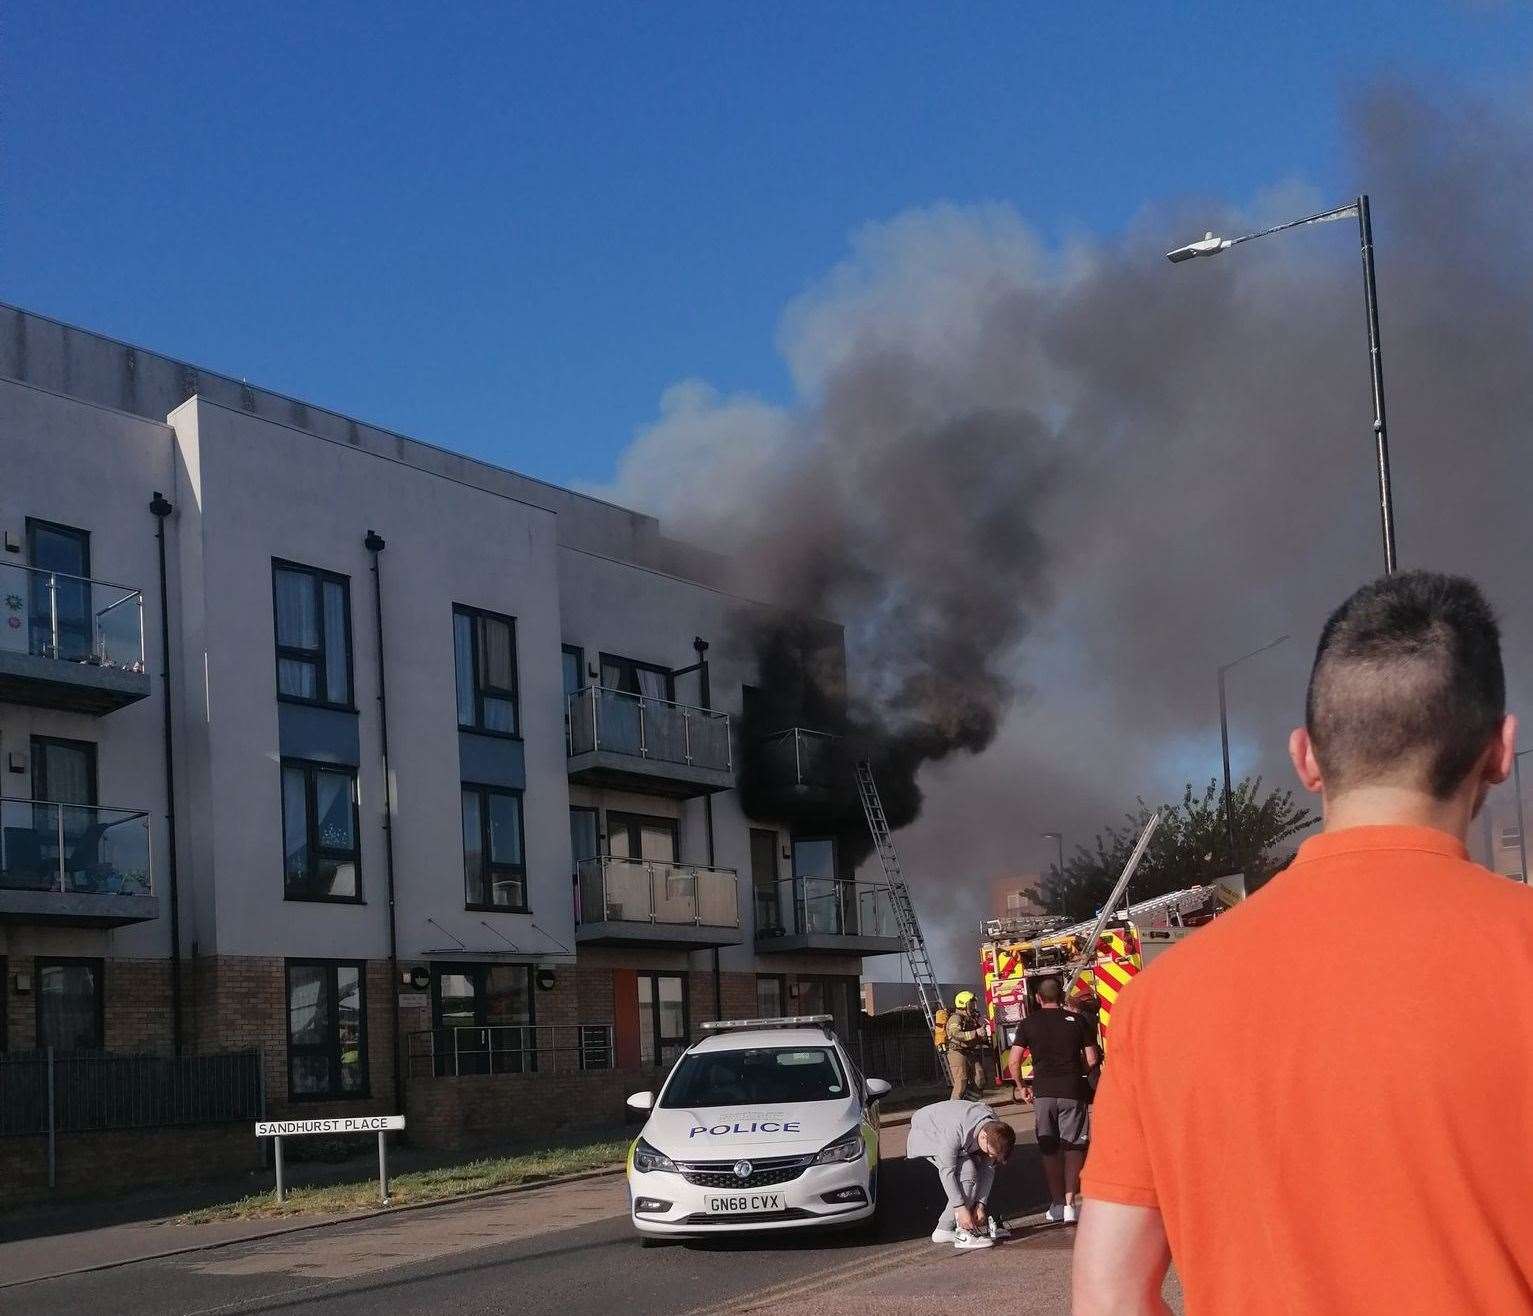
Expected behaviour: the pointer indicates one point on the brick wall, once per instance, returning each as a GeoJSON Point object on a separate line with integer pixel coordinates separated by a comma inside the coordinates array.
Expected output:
{"type": "Point", "coordinates": [112, 1162]}
{"type": "Point", "coordinates": [457, 1114]}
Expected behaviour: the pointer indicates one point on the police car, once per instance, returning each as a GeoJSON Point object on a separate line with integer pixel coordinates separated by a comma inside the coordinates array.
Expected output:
{"type": "Point", "coordinates": [764, 1124]}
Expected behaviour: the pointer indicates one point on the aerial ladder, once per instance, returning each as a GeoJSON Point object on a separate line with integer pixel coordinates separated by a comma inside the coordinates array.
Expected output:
{"type": "Point", "coordinates": [899, 899]}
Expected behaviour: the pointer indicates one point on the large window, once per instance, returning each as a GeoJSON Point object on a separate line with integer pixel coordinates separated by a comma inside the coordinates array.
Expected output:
{"type": "Point", "coordinates": [484, 657]}
{"type": "Point", "coordinates": [771, 995]}
{"type": "Point", "coordinates": [636, 678]}
{"type": "Point", "coordinates": [484, 1014]}
{"type": "Point", "coordinates": [662, 1018]}
{"type": "Point", "coordinates": [326, 1029]}
{"type": "Point", "coordinates": [638, 836]}
{"type": "Point", "coordinates": [494, 865]}
{"type": "Point", "coordinates": [59, 613]}
{"type": "Point", "coordinates": [320, 850]}
{"type": "Point", "coordinates": [313, 611]}
{"type": "Point", "coordinates": [70, 1001]}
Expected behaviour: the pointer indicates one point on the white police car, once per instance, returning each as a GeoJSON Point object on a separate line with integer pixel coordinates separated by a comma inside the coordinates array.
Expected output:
{"type": "Point", "coordinates": [764, 1124]}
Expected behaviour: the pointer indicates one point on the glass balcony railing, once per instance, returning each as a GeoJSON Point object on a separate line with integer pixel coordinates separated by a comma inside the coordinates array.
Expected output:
{"type": "Point", "coordinates": [796, 759]}
{"type": "Point", "coordinates": [71, 619]}
{"type": "Point", "coordinates": [645, 728]}
{"type": "Point", "coordinates": [834, 907]}
{"type": "Point", "coordinates": [74, 849]}
{"type": "Point", "coordinates": [652, 891]}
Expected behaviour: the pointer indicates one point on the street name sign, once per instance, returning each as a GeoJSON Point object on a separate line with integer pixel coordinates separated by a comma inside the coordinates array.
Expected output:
{"type": "Point", "coordinates": [346, 1124]}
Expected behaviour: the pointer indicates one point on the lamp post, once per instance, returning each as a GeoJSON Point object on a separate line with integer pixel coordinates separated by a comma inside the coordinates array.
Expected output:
{"type": "Point", "coordinates": [1059, 840]}
{"type": "Point", "coordinates": [1209, 245]}
{"type": "Point", "coordinates": [1224, 741]}
{"type": "Point", "coordinates": [1522, 840]}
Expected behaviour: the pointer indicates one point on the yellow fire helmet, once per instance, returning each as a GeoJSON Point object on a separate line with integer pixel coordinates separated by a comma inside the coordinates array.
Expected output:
{"type": "Point", "coordinates": [963, 999]}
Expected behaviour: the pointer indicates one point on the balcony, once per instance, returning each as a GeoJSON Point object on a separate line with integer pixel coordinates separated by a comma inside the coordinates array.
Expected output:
{"type": "Point", "coordinates": [629, 742]}
{"type": "Point", "coordinates": [637, 902]}
{"type": "Point", "coordinates": [793, 775]}
{"type": "Point", "coordinates": [75, 864]}
{"type": "Point", "coordinates": [825, 914]}
{"type": "Point", "coordinates": [70, 643]}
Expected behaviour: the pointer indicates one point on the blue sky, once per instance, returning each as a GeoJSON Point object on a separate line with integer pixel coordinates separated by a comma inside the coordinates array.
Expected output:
{"type": "Point", "coordinates": [507, 228]}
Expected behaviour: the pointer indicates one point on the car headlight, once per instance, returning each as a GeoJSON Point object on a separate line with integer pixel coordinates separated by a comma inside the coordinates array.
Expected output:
{"type": "Point", "coordinates": [646, 1160]}
{"type": "Point", "coordinates": [848, 1147]}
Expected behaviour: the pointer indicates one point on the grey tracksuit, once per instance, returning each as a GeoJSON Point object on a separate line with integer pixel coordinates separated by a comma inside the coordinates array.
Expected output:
{"type": "Point", "coordinates": [944, 1133]}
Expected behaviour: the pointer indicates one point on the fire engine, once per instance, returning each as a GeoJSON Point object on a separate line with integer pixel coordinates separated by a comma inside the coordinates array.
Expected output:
{"type": "Point", "coordinates": [1018, 952]}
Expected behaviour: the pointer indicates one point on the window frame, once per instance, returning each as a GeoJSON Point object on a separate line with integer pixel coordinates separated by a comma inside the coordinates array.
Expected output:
{"type": "Point", "coordinates": [633, 824]}
{"type": "Point", "coordinates": [636, 666]}
{"type": "Point", "coordinates": [485, 791]}
{"type": "Point", "coordinates": [37, 766]}
{"type": "Point", "coordinates": [320, 656]}
{"type": "Point", "coordinates": [781, 979]}
{"type": "Point", "coordinates": [475, 617]}
{"type": "Point", "coordinates": [83, 536]}
{"type": "Point", "coordinates": [653, 976]}
{"type": "Point", "coordinates": [309, 768]}
{"type": "Point", "coordinates": [331, 1050]}
{"type": "Point", "coordinates": [41, 962]}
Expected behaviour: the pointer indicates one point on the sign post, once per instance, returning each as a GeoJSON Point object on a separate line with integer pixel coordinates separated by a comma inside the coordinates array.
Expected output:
{"type": "Point", "coordinates": [382, 1125]}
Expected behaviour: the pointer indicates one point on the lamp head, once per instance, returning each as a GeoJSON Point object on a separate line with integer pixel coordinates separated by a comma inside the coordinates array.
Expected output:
{"type": "Point", "coordinates": [1207, 245]}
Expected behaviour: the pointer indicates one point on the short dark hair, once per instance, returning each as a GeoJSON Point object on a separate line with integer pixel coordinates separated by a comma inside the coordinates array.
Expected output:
{"type": "Point", "coordinates": [1407, 682]}
{"type": "Point", "coordinates": [1051, 990]}
{"type": "Point", "coordinates": [1004, 1135]}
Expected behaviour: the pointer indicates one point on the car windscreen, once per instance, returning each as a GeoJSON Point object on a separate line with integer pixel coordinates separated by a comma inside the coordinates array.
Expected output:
{"type": "Point", "coordinates": [767, 1076]}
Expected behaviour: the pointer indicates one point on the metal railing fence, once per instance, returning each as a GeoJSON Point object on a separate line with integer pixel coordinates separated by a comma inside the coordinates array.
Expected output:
{"type": "Point", "coordinates": [797, 757]}
{"type": "Point", "coordinates": [509, 1049]}
{"type": "Point", "coordinates": [653, 891]}
{"type": "Point", "coordinates": [71, 618]}
{"type": "Point", "coordinates": [45, 846]}
{"type": "Point", "coordinates": [622, 723]}
{"type": "Point", "coordinates": [834, 906]}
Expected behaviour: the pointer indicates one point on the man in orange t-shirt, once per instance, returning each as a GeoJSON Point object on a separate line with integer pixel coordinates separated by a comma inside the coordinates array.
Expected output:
{"type": "Point", "coordinates": [1296, 1155]}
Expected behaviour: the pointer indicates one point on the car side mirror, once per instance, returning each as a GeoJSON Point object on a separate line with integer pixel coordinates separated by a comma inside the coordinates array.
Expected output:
{"type": "Point", "coordinates": [641, 1101]}
{"type": "Point", "coordinates": [877, 1088]}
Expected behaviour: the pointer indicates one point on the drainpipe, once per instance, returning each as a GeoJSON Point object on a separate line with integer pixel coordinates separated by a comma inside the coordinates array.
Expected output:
{"type": "Point", "coordinates": [705, 692]}
{"type": "Point", "coordinates": [374, 543]}
{"type": "Point", "coordinates": [161, 507]}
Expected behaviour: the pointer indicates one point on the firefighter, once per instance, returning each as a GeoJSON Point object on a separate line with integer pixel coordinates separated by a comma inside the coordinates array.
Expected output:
{"type": "Point", "coordinates": [966, 1048]}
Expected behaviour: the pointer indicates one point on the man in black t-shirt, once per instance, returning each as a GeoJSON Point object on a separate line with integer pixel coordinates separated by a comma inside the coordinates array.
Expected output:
{"type": "Point", "coordinates": [1063, 1046]}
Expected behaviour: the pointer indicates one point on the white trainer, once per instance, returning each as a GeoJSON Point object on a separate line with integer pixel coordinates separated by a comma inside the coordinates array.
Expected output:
{"type": "Point", "coordinates": [941, 1235]}
{"type": "Point", "coordinates": [998, 1230]}
{"type": "Point", "coordinates": [1056, 1213]}
{"type": "Point", "coordinates": [965, 1241]}
{"type": "Point", "coordinates": [1072, 1213]}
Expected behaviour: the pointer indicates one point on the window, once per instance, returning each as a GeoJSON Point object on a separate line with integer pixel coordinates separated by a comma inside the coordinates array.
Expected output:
{"type": "Point", "coordinates": [494, 870]}
{"type": "Point", "coordinates": [662, 1018]}
{"type": "Point", "coordinates": [637, 836]}
{"type": "Point", "coordinates": [484, 1014]}
{"type": "Point", "coordinates": [573, 663]}
{"type": "Point", "coordinates": [320, 851]}
{"type": "Point", "coordinates": [484, 657]}
{"type": "Point", "coordinates": [637, 678]}
{"type": "Point", "coordinates": [69, 1005]}
{"type": "Point", "coordinates": [326, 1029]}
{"type": "Point", "coordinates": [761, 1076]}
{"type": "Point", "coordinates": [313, 614]}
{"type": "Point", "coordinates": [59, 618]}
{"type": "Point", "coordinates": [771, 993]}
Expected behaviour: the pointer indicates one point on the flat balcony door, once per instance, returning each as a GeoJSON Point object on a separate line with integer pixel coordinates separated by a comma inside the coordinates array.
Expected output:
{"type": "Point", "coordinates": [62, 549]}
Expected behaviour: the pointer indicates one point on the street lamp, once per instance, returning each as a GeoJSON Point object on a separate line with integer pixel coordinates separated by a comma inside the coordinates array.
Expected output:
{"type": "Point", "coordinates": [1522, 840]}
{"type": "Point", "coordinates": [1059, 840]}
{"type": "Point", "coordinates": [1210, 245]}
{"type": "Point", "coordinates": [1224, 740]}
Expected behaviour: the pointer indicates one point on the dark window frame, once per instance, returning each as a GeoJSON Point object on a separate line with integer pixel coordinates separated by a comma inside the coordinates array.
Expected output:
{"type": "Point", "coordinates": [491, 868]}
{"type": "Point", "coordinates": [320, 656]}
{"type": "Point", "coordinates": [316, 851]}
{"type": "Point", "coordinates": [618, 660]}
{"type": "Point", "coordinates": [579, 654]}
{"type": "Point", "coordinates": [513, 694]}
{"type": "Point", "coordinates": [781, 979]}
{"type": "Point", "coordinates": [685, 1040]}
{"type": "Point", "coordinates": [332, 1049]}
{"type": "Point", "coordinates": [42, 962]}
{"type": "Point", "coordinates": [633, 824]}
{"type": "Point", "coordinates": [35, 523]}
{"type": "Point", "coordinates": [37, 764]}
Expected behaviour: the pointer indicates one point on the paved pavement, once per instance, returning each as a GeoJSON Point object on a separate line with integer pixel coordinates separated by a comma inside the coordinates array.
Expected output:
{"type": "Point", "coordinates": [569, 1248]}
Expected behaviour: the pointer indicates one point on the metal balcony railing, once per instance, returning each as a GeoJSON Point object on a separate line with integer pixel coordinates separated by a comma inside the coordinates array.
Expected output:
{"type": "Point", "coordinates": [652, 891]}
{"type": "Point", "coordinates": [831, 906]}
{"type": "Point", "coordinates": [509, 1049]}
{"type": "Point", "coordinates": [646, 728]}
{"type": "Point", "coordinates": [70, 618]}
{"type": "Point", "coordinates": [796, 757]}
{"type": "Point", "coordinates": [74, 848]}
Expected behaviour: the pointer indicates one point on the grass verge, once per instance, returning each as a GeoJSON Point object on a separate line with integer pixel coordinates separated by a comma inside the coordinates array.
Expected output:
{"type": "Point", "coordinates": [419, 1185]}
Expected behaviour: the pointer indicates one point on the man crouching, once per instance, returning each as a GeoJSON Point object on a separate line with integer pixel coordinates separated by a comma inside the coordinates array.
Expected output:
{"type": "Point", "coordinates": [966, 1142]}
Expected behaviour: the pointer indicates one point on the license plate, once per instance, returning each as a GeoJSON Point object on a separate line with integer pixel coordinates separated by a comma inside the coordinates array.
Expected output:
{"type": "Point", "coordinates": [744, 1203]}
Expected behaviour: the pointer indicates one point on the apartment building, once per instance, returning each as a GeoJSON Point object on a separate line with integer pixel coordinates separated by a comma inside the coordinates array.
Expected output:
{"type": "Point", "coordinates": [416, 776]}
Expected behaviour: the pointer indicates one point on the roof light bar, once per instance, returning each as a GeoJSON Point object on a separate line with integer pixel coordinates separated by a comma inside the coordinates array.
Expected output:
{"type": "Point", "coordinates": [788, 1021]}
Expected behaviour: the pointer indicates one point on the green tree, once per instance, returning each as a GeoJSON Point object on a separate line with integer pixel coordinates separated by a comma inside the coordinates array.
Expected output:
{"type": "Point", "coordinates": [1189, 848]}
